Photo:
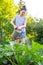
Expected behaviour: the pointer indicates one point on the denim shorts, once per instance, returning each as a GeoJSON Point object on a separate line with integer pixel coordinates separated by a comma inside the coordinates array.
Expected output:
{"type": "Point", "coordinates": [22, 34]}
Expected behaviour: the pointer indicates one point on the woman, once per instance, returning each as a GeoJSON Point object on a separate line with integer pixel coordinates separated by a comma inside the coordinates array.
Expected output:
{"type": "Point", "coordinates": [20, 26]}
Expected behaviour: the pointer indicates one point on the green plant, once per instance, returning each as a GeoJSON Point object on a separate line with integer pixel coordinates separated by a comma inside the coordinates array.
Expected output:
{"type": "Point", "coordinates": [21, 54]}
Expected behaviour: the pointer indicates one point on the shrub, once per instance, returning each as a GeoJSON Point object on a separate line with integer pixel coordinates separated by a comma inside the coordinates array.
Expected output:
{"type": "Point", "coordinates": [21, 54]}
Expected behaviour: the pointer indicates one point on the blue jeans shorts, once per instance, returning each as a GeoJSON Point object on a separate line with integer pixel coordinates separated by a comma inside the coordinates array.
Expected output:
{"type": "Point", "coordinates": [22, 34]}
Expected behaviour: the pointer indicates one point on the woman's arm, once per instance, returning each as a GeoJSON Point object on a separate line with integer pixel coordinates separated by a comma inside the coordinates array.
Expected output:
{"type": "Point", "coordinates": [23, 26]}
{"type": "Point", "coordinates": [12, 22]}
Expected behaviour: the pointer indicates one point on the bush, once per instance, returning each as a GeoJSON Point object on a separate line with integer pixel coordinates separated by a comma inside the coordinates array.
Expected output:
{"type": "Point", "coordinates": [21, 54]}
{"type": "Point", "coordinates": [35, 29]}
{"type": "Point", "coordinates": [7, 12]}
{"type": "Point", "coordinates": [38, 28]}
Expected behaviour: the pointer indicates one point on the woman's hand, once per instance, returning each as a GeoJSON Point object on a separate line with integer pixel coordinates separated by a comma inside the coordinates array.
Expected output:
{"type": "Point", "coordinates": [19, 28]}
{"type": "Point", "coordinates": [15, 27]}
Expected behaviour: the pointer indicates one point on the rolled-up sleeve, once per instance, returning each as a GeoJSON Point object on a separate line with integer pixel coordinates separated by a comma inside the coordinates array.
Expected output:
{"type": "Point", "coordinates": [24, 21]}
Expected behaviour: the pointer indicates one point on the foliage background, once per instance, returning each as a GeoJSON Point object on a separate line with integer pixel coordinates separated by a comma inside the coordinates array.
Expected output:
{"type": "Point", "coordinates": [8, 10]}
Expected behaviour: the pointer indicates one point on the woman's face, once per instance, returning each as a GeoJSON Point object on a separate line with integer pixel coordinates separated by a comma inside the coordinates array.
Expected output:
{"type": "Point", "coordinates": [22, 12]}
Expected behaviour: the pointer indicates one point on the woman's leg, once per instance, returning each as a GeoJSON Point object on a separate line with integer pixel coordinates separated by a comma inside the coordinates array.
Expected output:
{"type": "Point", "coordinates": [17, 41]}
{"type": "Point", "coordinates": [23, 40]}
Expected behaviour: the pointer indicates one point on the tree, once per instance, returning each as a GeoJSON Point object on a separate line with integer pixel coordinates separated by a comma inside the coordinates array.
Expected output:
{"type": "Point", "coordinates": [7, 12]}
{"type": "Point", "coordinates": [38, 29]}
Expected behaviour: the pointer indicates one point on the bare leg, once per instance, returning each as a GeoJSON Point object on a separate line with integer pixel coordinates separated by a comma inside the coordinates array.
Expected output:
{"type": "Point", "coordinates": [17, 41]}
{"type": "Point", "coordinates": [23, 40]}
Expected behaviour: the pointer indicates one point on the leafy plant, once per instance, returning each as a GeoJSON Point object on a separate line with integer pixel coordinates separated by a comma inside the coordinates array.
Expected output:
{"type": "Point", "coordinates": [21, 54]}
